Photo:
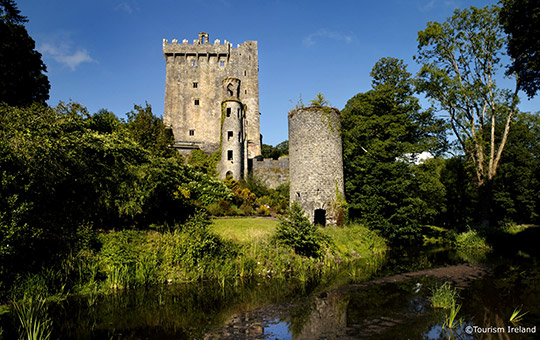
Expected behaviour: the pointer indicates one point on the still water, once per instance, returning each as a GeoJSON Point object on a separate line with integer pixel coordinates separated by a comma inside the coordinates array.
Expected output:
{"type": "Point", "coordinates": [386, 299]}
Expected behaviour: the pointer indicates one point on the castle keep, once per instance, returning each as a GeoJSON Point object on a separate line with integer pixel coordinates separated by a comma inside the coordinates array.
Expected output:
{"type": "Point", "coordinates": [212, 100]}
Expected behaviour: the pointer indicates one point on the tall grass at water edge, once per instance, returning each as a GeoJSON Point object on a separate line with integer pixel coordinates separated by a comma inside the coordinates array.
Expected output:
{"type": "Point", "coordinates": [126, 259]}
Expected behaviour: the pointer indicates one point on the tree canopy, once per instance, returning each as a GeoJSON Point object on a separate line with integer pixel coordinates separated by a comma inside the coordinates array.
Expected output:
{"type": "Point", "coordinates": [460, 59]}
{"type": "Point", "coordinates": [22, 72]}
{"type": "Point", "coordinates": [521, 21]}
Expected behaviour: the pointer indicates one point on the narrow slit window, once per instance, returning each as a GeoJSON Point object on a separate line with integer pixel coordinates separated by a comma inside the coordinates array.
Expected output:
{"type": "Point", "coordinates": [194, 63]}
{"type": "Point", "coordinates": [192, 132]}
{"type": "Point", "coordinates": [229, 135]}
{"type": "Point", "coordinates": [228, 112]}
{"type": "Point", "coordinates": [196, 102]}
{"type": "Point", "coordinates": [195, 85]}
{"type": "Point", "coordinates": [245, 73]}
{"type": "Point", "coordinates": [229, 155]}
{"type": "Point", "coordinates": [221, 63]}
{"type": "Point", "coordinates": [238, 113]}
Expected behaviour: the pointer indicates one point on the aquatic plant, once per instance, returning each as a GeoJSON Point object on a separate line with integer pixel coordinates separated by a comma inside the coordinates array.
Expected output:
{"type": "Point", "coordinates": [35, 323]}
{"type": "Point", "coordinates": [444, 296]}
{"type": "Point", "coordinates": [517, 316]}
{"type": "Point", "coordinates": [450, 317]}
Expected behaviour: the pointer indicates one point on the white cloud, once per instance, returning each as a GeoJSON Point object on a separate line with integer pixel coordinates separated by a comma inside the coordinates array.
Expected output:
{"type": "Point", "coordinates": [125, 6]}
{"type": "Point", "coordinates": [64, 54]}
{"type": "Point", "coordinates": [321, 34]}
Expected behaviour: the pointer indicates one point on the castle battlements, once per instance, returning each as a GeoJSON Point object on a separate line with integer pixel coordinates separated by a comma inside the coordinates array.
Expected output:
{"type": "Point", "coordinates": [202, 46]}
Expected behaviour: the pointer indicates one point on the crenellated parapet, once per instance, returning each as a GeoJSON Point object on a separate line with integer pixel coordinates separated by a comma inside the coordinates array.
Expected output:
{"type": "Point", "coordinates": [203, 46]}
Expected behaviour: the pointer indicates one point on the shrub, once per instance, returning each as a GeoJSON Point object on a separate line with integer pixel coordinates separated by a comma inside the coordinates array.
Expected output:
{"type": "Point", "coordinates": [471, 240]}
{"type": "Point", "coordinates": [296, 231]}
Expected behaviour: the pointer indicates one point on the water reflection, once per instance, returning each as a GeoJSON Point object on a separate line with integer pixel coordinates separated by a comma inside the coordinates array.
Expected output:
{"type": "Point", "coordinates": [385, 299]}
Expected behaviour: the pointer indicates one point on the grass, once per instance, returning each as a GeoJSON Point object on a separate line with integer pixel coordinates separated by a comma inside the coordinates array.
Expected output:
{"type": "Point", "coordinates": [444, 296]}
{"type": "Point", "coordinates": [35, 324]}
{"type": "Point", "coordinates": [227, 250]}
{"type": "Point", "coordinates": [517, 316]}
{"type": "Point", "coordinates": [244, 230]}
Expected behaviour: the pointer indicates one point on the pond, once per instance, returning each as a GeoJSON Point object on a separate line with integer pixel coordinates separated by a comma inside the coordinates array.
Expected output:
{"type": "Point", "coordinates": [386, 299]}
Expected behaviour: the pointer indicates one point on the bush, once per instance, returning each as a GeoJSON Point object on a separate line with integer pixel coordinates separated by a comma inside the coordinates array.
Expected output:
{"type": "Point", "coordinates": [471, 240]}
{"type": "Point", "coordinates": [296, 231]}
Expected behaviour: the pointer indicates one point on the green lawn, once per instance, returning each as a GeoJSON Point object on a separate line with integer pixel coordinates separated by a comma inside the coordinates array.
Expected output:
{"type": "Point", "coordinates": [246, 229]}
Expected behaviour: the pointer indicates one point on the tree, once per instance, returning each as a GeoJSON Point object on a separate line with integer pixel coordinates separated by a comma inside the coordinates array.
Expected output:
{"type": "Point", "coordinates": [22, 78]}
{"type": "Point", "coordinates": [319, 100]}
{"type": "Point", "coordinates": [521, 21]}
{"type": "Point", "coordinates": [149, 131]}
{"type": "Point", "coordinates": [460, 59]}
{"type": "Point", "coordinates": [379, 127]}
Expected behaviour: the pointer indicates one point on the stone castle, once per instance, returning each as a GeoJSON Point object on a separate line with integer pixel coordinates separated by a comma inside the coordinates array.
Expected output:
{"type": "Point", "coordinates": [212, 100]}
{"type": "Point", "coordinates": [212, 104]}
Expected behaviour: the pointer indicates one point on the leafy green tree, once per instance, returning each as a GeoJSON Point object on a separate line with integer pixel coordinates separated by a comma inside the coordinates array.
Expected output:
{"type": "Point", "coordinates": [460, 58]}
{"type": "Point", "coordinates": [521, 21]}
{"type": "Point", "coordinates": [269, 151]}
{"type": "Point", "coordinates": [150, 132]}
{"type": "Point", "coordinates": [22, 72]}
{"type": "Point", "coordinates": [380, 128]}
{"type": "Point", "coordinates": [296, 231]}
{"type": "Point", "coordinates": [516, 189]}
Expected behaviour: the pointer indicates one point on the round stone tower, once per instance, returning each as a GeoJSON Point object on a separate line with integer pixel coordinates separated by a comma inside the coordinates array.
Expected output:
{"type": "Point", "coordinates": [316, 163]}
{"type": "Point", "coordinates": [232, 131]}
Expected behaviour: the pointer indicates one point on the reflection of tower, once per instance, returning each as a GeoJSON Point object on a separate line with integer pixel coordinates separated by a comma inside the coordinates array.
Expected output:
{"type": "Point", "coordinates": [316, 163]}
{"type": "Point", "coordinates": [233, 146]}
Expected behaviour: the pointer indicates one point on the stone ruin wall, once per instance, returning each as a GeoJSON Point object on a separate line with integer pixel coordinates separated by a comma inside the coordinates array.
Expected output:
{"type": "Point", "coordinates": [316, 163]}
{"type": "Point", "coordinates": [271, 172]}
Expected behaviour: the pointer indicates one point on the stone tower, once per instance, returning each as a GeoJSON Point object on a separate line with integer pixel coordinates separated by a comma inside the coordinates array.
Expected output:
{"type": "Point", "coordinates": [316, 163]}
{"type": "Point", "coordinates": [203, 80]}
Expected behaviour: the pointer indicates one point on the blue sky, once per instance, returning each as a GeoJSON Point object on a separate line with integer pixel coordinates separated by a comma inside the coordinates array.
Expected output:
{"type": "Point", "coordinates": [108, 53]}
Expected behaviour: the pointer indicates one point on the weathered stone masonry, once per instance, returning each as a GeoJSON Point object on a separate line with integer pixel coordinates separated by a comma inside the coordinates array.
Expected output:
{"type": "Point", "coordinates": [316, 163]}
{"type": "Point", "coordinates": [200, 79]}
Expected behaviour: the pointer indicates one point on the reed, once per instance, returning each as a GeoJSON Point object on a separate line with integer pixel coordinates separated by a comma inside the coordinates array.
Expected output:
{"type": "Point", "coordinates": [35, 323]}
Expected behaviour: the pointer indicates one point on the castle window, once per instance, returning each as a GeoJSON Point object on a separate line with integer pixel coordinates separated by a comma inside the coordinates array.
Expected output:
{"type": "Point", "coordinates": [195, 85]}
{"type": "Point", "coordinates": [238, 112]}
{"type": "Point", "coordinates": [229, 155]}
{"type": "Point", "coordinates": [221, 63]}
{"type": "Point", "coordinates": [229, 135]}
{"type": "Point", "coordinates": [194, 63]}
{"type": "Point", "coordinates": [245, 91]}
{"type": "Point", "coordinates": [245, 73]}
{"type": "Point", "coordinates": [228, 112]}
{"type": "Point", "coordinates": [196, 102]}
{"type": "Point", "coordinates": [192, 132]}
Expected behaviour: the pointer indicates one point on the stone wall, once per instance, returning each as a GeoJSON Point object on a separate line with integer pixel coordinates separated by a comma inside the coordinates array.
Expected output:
{"type": "Point", "coordinates": [194, 92]}
{"type": "Point", "coordinates": [316, 163]}
{"type": "Point", "coordinates": [271, 172]}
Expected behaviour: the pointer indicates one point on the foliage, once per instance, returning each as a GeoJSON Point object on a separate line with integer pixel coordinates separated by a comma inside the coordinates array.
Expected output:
{"type": "Point", "coordinates": [35, 323]}
{"type": "Point", "coordinates": [319, 100]}
{"type": "Point", "coordinates": [471, 239]}
{"type": "Point", "coordinates": [150, 132]}
{"type": "Point", "coordinates": [274, 152]}
{"type": "Point", "coordinates": [444, 296]}
{"type": "Point", "coordinates": [297, 232]}
{"type": "Point", "coordinates": [460, 59]}
{"type": "Point", "coordinates": [64, 171]}
{"type": "Point", "coordinates": [203, 243]}
{"type": "Point", "coordinates": [22, 72]}
{"type": "Point", "coordinates": [203, 162]}
{"type": "Point", "coordinates": [521, 21]}
{"type": "Point", "coordinates": [378, 128]}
